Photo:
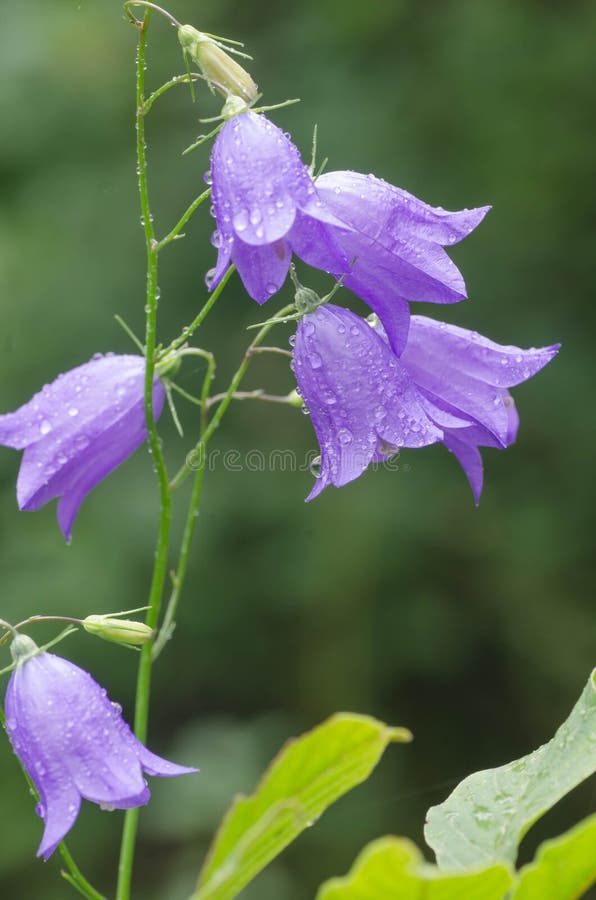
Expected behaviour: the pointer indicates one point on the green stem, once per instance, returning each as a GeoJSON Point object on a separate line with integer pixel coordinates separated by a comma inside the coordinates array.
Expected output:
{"type": "Point", "coordinates": [175, 232]}
{"type": "Point", "coordinates": [200, 449]}
{"type": "Point", "coordinates": [76, 877]}
{"type": "Point", "coordinates": [187, 78]}
{"type": "Point", "coordinates": [168, 624]}
{"type": "Point", "coordinates": [190, 329]}
{"type": "Point", "coordinates": [161, 555]}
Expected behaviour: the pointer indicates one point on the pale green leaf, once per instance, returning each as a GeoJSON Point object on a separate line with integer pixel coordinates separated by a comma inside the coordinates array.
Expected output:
{"type": "Point", "coordinates": [393, 868]}
{"type": "Point", "coordinates": [308, 775]}
{"type": "Point", "coordinates": [564, 868]}
{"type": "Point", "coordinates": [488, 814]}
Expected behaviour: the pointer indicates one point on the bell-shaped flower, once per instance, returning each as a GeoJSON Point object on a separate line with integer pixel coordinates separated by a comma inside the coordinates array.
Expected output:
{"type": "Point", "coordinates": [265, 205]}
{"type": "Point", "coordinates": [73, 742]}
{"type": "Point", "coordinates": [362, 403]}
{"type": "Point", "coordinates": [449, 385]}
{"type": "Point", "coordinates": [77, 430]}
{"type": "Point", "coordinates": [464, 377]}
{"type": "Point", "coordinates": [396, 244]}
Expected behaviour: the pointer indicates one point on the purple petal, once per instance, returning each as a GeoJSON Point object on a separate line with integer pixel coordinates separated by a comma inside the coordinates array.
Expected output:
{"type": "Point", "coordinates": [224, 256]}
{"type": "Point", "coordinates": [73, 742]}
{"type": "Point", "coordinates": [59, 813]}
{"type": "Point", "coordinates": [258, 179]}
{"type": "Point", "coordinates": [444, 347]}
{"type": "Point", "coordinates": [360, 398]}
{"type": "Point", "coordinates": [467, 454]}
{"type": "Point", "coordinates": [396, 231]}
{"type": "Point", "coordinates": [156, 765]}
{"type": "Point", "coordinates": [263, 269]}
{"type": "Point", "coordinates": [464, 373]}
{"type": "Point", "coordinates": [385, 210]}
{"type": "Point", "coordinates": [80, 428]}
{"type": "Point", "coordinates": [318, 245]}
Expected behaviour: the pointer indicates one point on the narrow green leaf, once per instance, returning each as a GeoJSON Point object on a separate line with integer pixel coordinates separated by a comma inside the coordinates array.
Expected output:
{"type": "Point", "coordinates": [308, 775]}
{"type": "Point", "coordinates": [393, 868]}
{"type": "Point", "coordinates": [564, 868]}
{"type": "Point", "coordinates": [487, 815]}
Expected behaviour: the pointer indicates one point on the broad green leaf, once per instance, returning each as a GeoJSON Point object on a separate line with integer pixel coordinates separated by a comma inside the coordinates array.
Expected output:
{"type": "Point", "coordinates": [309, 774]}
{"type": "Point", "coordinates": [487, 815]}
{"type": "Point", "coordinates": [564, 868]}
{"type": "Point", "coordinates": [393, 868]}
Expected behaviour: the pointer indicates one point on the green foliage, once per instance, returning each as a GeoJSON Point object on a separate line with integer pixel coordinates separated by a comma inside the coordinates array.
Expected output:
{"type": "Point", "coordinates": [308, 775]}
{"type": "Point", "coordinates": [564, 868]}
{"type": "Point", "coordinates": [488, 814]}
{"type": "Point", "coordinates": [393, 867]}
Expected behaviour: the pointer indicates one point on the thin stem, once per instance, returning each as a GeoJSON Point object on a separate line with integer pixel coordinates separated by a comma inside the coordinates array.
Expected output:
{"type": "Point", "coordinates": [259, 394]}
{"type": "Point", "coordinates": [187, 78]}
{"type": "Point", "coordinates": [168, 624]}
{"type": "Point", "coordinates": [190, 329]}
{"type": "Point", "coordinates": [149, 6]}
{"type": "Point", "coordinates": [199, 451]}
{"type": "Point", "coordinates": [76, 877]}
{"type": "Point", "coordinates": [175, 232]}
{"type": "Point", "coordinates": [161, 554]}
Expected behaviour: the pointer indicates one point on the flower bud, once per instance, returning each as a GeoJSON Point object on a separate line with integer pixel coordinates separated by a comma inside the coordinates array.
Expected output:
{"type": "Point", "coordinates": [23, 648]}
{"type": "Point", "coordinates": [217, 66]}
{"type": "Point", "coordinates": [294, 399]}
{"type": "Point", "coordinates": [121, 631]}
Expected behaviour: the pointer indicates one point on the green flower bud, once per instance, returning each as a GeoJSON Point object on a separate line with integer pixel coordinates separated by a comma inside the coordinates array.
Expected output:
{"type": "Point", "coordinates": [217, 66]}
{"type": "Point", "coordinates": [294, 399]}
{"type": "Point", "coordinates": [121, 631]}
{"type": "Point", "coordinates": [23, 648]}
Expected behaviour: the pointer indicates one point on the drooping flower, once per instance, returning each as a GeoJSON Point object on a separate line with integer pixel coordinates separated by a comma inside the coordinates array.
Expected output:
{"type": "Point", "coordinates": [386, 242]}
{"type": "Point", "coordinates": [464, 377]}
{"type": "Point", "coordinates": [361, 400]}
{"type": "Point", "coordinates": [77, 430]}
{"type": "Point", "coordinates": [396, 242]}
{"type": "Point", "coordinates": [73, 742]}
{"type": "Point", "coordinates": [449, 385]}
{"type": "Point", "coordinates": [266, 206]}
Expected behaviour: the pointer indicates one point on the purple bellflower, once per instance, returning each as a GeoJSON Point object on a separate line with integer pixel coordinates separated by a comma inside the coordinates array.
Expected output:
{"type": "Point", "coordinates": [449, 385]}
{"type": "Point", "coordinates": [266, 206]}
{"type": "Point", "coordinates": [386, 242]}
{"type": "Point", "coordinates": [396, 244]}
{"type": "Point", "coordinates": [77, 430]}
{"type": "Point", "coordinates": [362, 402]}
{"type": "Point", "coordinates": [73, 742]}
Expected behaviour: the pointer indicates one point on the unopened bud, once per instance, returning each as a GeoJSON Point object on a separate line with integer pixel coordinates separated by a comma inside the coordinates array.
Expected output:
{"type": "Point", "coordinates": [23, 648]}
{"type": "Point", "coordinates": [294, 399]}
{"type": "Point", "coordinates": [121, 631]}
{"type": "Point", "coordinates": [217, 66]}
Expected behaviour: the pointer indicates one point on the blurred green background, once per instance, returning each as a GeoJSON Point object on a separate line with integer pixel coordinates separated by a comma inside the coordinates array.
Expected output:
{"type": "Point", "coordinates": [393, 596]}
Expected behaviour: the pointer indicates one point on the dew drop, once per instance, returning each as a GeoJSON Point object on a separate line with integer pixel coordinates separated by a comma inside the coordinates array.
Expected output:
{"type": "Point", "coordinates": [315, 360]}
{"type": "Point", "coordinates": [315, 466]}
{"type": "Point", "coordinates": [345, 436]}
{"type": "Point", "coordinates": [240, 220]}
{"type": "Point", "coordinates": [73, 411]}
{"type": "Point", "coordinates": [45, 426]}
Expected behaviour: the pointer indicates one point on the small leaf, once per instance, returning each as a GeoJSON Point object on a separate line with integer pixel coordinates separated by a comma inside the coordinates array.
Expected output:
{"type": "Point", "coordinates": [308, 775]}
{"type": "Point", "coordinates": [488, 814]}
{"type": "Point", "coordinates": [564, 868]}
{"type": "Point", "coordinates": [393, 868]}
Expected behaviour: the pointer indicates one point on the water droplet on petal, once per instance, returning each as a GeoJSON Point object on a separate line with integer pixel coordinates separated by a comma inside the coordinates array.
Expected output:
{"type": "Point", "coordinates": [45, 426]}
{"type": "Point", "coordinates": [240, 220]}
{"type": "Point", "coordinates": [315, 360]}
{"type": "Point", "coordinates": [73, 411]}
{"type": "Point", "coordinates": [315, 466]}
{"type": "Point", "coordinates": [344, 436]}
